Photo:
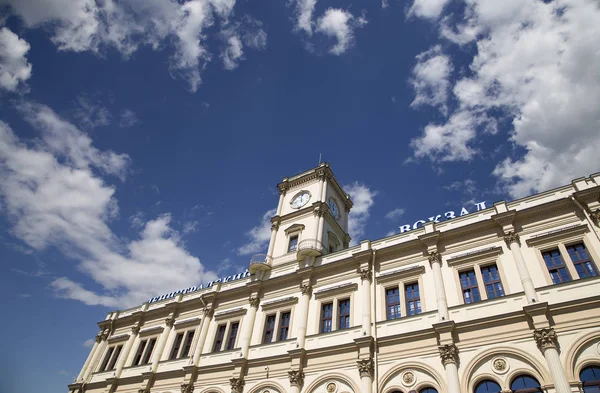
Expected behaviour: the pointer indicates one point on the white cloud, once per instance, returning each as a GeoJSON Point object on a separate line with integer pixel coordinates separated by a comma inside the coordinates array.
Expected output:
{"type": "Point", "coordinates": [54, 198]}
{"type": "Point", "coordinates": [128, 118]}
{"type": "Point", "coordinates": [395, 214]}
{"type": "Point", "coordinates": [259, 236]}
{"type": "Point", "coordinates": [232, 53]}
{"type": "Point", "coordinates": [89, 343]}
{"type": "Point", "coordinates": [14, 67]}
{"type": "Point", "coordinates": [339, 24]}
{"type": "Point", "coordinates": [467, 187]}
{"type": "Point", "coordinates": [247, 33]}
{"type": "Point", "coordinates": [362, 197]}
{"type": "Point", "coordinates": [430, 9]}
{"type": "Point", "coordinates": [384, 4]}
{"type": "Point", "coordinates": [430, 79]}
{"type": "Point", "coordinates": [90, 113]}
{"type": "Point", "coordinates": [304, 11]}
{"type": "Point", "coordinates": [535, 65]}
{"type": "Point", "coordinates": [190, 227]}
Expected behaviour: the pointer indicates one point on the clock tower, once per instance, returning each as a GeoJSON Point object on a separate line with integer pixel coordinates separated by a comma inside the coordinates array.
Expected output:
{"type": "Point", "coordinates": [311, 220]}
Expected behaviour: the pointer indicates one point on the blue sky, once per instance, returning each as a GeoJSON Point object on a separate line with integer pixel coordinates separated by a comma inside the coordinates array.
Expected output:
{"type": "Point", "coordinates": [141, 141]}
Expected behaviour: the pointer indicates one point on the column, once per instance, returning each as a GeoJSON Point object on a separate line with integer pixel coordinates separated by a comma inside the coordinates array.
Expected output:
{"type": "Point", "coordinates": [99, 351]}
{"type": "Point", "coordinates": [125, 353]}
{"type": "Point", "coordinates": [237, 385]}
{"type": "Point", "coordinates": [365, 369]}
{"type": "Point", "coordinates": [296, 380]}
{"type": "Point", "coordinates": [249, 326]}
{"type": "Point", "coordinates": [547, 342]}
{"type": "Point", "coordinates": [435, 259]}
{"type": "Point", "coordinates": [449, 355]}
{"type": "Point", "coordinates": [512, 241]}
{"type": "Point", "coordinates": [208, 314]}
{"type": "Point", "coordinates": [162, 340]}
{"type": "Point", "coordinates": [88, 361]}
{"type": "Point", "coordinates": [306, 290]}
{"type": "Point", "coordinates": [274, 228]}
{"type": "Point", "coordinates": [365, 276]}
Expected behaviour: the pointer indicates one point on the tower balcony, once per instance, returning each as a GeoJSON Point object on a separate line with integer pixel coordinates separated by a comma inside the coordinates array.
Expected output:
{"type": "Point", "coordinates": [260, 263]}
{"type": "Point", "coordinates": [309, 247]}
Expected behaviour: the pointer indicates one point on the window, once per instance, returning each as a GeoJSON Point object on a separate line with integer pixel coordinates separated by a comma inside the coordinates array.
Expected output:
{"type": "Point", "coordinates": [326, 317]}
{"type": "Point", "coordinates": [144, 352]}
{"type": "Point", "coordinates": [269, 329]}
{"type": "Point", "coordinates": [106, 359]}
{"type": "Point", "coordinates": [219, 339]}
{"type": "Point", "coordinates": [148, 354]}
{"type": "Point", "coordinates": [180, 351]}
{"type": "Point", "coordinates": [344, 314]}
{"type": "Point", "coordinates": [140, 352]}
{"type": "Point", "coordinates": [293, 245]}
{"type": "Point", "coordinates": [556, 266]}
{"type": "Point", "coordinates": [590, 377]}
{"type": "Point", "coordinates": [232, 335]}
{"type": "Point", "coordinates": [392, 303]}
{"type": "Point", "coordinates": [525, 384]}
{"type": "Point", "coordinates": [176, 346]}
{"type": "Point", "coordinates": [284, 326]}
{"type": "Point", "coordinates": [188, 344]}
{"type": "Point", "coordinates": [115, 356]}
{"type": "Point", "coordinates": [428, 390]}
{"type": "Point", "coordinates": [488, 387]}
{"type": "Point", "coordinates": [581, 260]}
{"type": "Point", "coordinates": [468, 284]}
{"type": "Point", "coordinates": [110, 359]}
{"type": "Point", "coordinates": [491, 280]}
{"type": "Point", "coordinates": [413, 300]}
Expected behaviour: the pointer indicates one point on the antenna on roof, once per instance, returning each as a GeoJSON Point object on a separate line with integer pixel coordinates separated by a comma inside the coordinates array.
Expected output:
{"type": "Point", "coordinates": [319, 163]}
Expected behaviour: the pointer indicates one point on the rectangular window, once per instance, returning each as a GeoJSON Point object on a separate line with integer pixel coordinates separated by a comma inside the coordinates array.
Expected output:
{"type": "Point", "coordinates": [556, 266]}
{"type": "Point", "coordinates": [344, 314]}
{"type": "Point", "coordinates": [491, 280]}
{"type": "Point", "coordinates": [149, 350]}
{"type": "Point", "coordinates": [106, 359]}
{"type": "Point", "coordinates": [413, 299]}
{"type": "Point", "coordinates": [392, 303]}
{"type": "Point", "coordinates": [219, 339]}
{"type": "Point", "coordinates": [293, 243]}
{"type": "Point", "coordinates": [581, 259]}
{"type": "Point", "coordinates": [115, 357]}
{"type": "Point", "coordinates": [188, 344]}
{"type": "Point", "coordinates": [233, 331]}
{"type": "Point", "coordinates": [326, 317]}
{"type": "Point", "coordinates": [284, 326]}
{"type": "Point", "coordinates": [468, 284]}
{"type": "Point", "coordinates": [269, 329]}
{"type": "Point", "coordinates": [176, 346]}
{"type": "Point", "coordinates": [140, 352]}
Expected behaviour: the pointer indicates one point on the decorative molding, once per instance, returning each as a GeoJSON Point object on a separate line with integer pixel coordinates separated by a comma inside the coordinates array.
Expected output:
{"type": "Point", "coordinates": [485, 255]}
{"type": "Point", "coordinates": [511, 237]}
{"type": "Point", "coordinates": [448, 354]}
{"type": "Point", "coordinates": [500, 365]}
{"type": "Point", "coordinates": [296, 378]}
{"type": "Point", "coordinates": [187, 387]}
{"type": "Point", "coordinates": [118, 338]}
{"type": "Point", "coordinates": [294, 228]}
{"type": "Point", "coordinates": [150, 330]}
{"type": "Point", "coordinates": [398, 274]}
{"type": "Point", "coordinates": [187, 321]}
{"type": "Point", "coordinates": [306, 289]}
{"type": "Point", "coordinates": [545, 338]}
{"type": "Point", "coordinates": [288, 301]}
{"type": "Point", "coordinates": [230, 313]}
{"type": "Point", "coordinates": [337, 290]}
{"type": "Point", "coordinates": [561, 234]}
{"type": "Point", "coordinates": [365, 367]}
{"type": "Point", "coordinates": [408, 378]}
{"type": "Point", "coordinates": [435, 256]}
{"type": "Point", "coordinates": [254, 301]}
{"type": "Point", "coordinates": [237, 385]}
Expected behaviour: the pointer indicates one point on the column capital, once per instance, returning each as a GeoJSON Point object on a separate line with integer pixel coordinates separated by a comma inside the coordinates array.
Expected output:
{"type": "Point", "coordinates": [283, 187]}
{"type": "Point", "coordinates": [143, 390]}
{"type": "Point", "coordinates": [135, 329]}
{"type": "Point", "coordinates": [595, 216]}
{"type": "Point", "coordinates": [187, 387]}
{"type": "Point", "coordinates": [448, 354]}
{"type": "Point", "coordinates": [306, 289]}
{"type": "Point", "coordinates": [296, 378]}
{"type": "Point", "coordinates": [254, 301]}
{"type": "Point", "coordinates": [237, 385]}
{"type": "Point", "coordinates": [365, 273]}
{"type": "Point", "coordinates": [365, 367]}
{"type": "Point", "coordinates": [208, 311]}
{"type": "Point", "coordinates": [545, 338]}
{"type": "Point", "coordinates": [511, 237]}
{"type": "Point", "coordinates": [99, 337]}
{"type": "Point", "coordinates": [435, 256]}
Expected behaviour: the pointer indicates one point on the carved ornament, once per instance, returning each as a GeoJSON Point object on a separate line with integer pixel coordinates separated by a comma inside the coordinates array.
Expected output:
{"type": "Point", "coordinates": [408, 378]}
{"type": "Point", "coordinates": [448, 354]}
{"type": "Point", "coordinates": [306, 289]}
{"type": "Point", "coordinates": [170, 321]}
{"type": "Point", "coordinates": [511, 237]}
{"type": "Point", "coordinates": [99, 337]}
{"type": "Point", "coordinates": [365, 367]}
{"type": "Point", "coordinates": [187, 387]}
{"type": "Point", "coordinates": [595, 216]}
{"type": "Point", "coordinates": [237, 385]}
{"type": "Point", "coordinates": [545, 338]}
{"type": "Point", "coordinates": [331, 387]}
{"type": "Point", "coordinates": [365, 273]}
{"type": "Point", "coordinates": [254, 301]}
{"type": "Point", "coordinates": [135, 329]}
{"type": "Point", "coordinates": [499, 365]}
{"type": "Point", "coordinates": [208, 311]}
{"type": "Point", "coordinates": [296, 378]}
{"type": "Point", "coordinates": [435, 256]}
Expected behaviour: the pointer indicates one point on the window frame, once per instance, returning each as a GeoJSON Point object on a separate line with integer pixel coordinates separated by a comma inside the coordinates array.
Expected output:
{"type": "Point", "coordinates": [230, 346]}
{"type": "Point", "coordinates": [266, 326]}
{"type": "Point", "coordinates": [335, 295]}
{"type": "Point", "coordinates": [397, 306]}
{"type": "Point", "coordinates": [289, 242]}
{"type": "Point", "coordinates": [184, 334]}
{"type": "Point", "coordinates": [280, 326]}
{"type": "Point", "coordinates": [406, 301]}
{"type": "Point", "coordinates": [111, 357]}
{"type": "Point", "coordinates": [276, 307]}
{"type": "Point", "coordinates": [470, 286]}
{"type": "Point", "coordinates": [400, 278]}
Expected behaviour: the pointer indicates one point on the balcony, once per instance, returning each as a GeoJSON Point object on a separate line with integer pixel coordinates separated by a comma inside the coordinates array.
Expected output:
{"type": "Point", "coordinates": [309, 247]}
{"type": "Point", "coordinates": [260, 263]}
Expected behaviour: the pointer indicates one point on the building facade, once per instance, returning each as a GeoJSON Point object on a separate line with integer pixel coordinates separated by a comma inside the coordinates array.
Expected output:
{"type": "Point", "coordinates": [506, 299]}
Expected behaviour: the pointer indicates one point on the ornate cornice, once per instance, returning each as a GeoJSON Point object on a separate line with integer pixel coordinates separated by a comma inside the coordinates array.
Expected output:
{"type": "Point", "coordinates": [237, 385]}
{"type": "Point", "coordinates": [208, 311]}
{"type": "Point", "coordinates": [365, 367]}
{"type": "Point", "coordinates": [365, 273]}
{"type": "Point", "coordinates": [254, 301]}
{"type": "Point", "coordinates": [435, 256]}
{"type": "Point", "coordinates": [283, 187]}
{"type": "Point", "coordinates": [511, 237]}
{"type": "Point", "coordinates": [448, 354]}
{"type": "Point", "coordinates": [187, 387]}
{"type": "Point", "coordinates": [296, 378]}
{"type": "Point", "coordinates": [306, 289]}
{"type": "Point", "coordinates": [545, 338]}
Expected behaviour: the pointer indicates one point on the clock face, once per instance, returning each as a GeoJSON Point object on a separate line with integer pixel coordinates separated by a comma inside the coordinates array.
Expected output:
{"type": "Point", "coordinates": [300, 199]}
{"type": "Point", "coordinates": [333, 207]}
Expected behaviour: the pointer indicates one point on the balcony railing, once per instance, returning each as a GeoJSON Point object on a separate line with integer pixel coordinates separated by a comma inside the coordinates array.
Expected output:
{"type": "Point", "coordinates": [260, 262]}
{"type": "Point", "coordinates": [311, 246]}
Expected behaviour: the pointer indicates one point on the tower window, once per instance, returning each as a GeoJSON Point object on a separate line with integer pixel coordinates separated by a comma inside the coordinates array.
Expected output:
{"type": "Point", "coordinates": [293, 245]}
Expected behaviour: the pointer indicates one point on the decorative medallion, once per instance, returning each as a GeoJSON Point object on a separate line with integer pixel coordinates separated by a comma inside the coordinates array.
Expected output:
{"type": "Point", "coordinates": [266, 391]}
{"type": "Point", "coordinates": [499, 365]}
{"type": "Point", "coordinates": [408, 378]}
{"type": "Point", "coordinates": [331, 387]}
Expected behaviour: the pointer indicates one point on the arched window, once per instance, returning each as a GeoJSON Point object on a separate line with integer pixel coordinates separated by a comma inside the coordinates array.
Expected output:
{"type": "Point", "coordinates": [525, 384]}
{"type": "Point", "coordinates": [487, 386]}
{"type": "Point", "coordinates": [428, 390]}
{"type": "Point", "coordinates": [590, 376]}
